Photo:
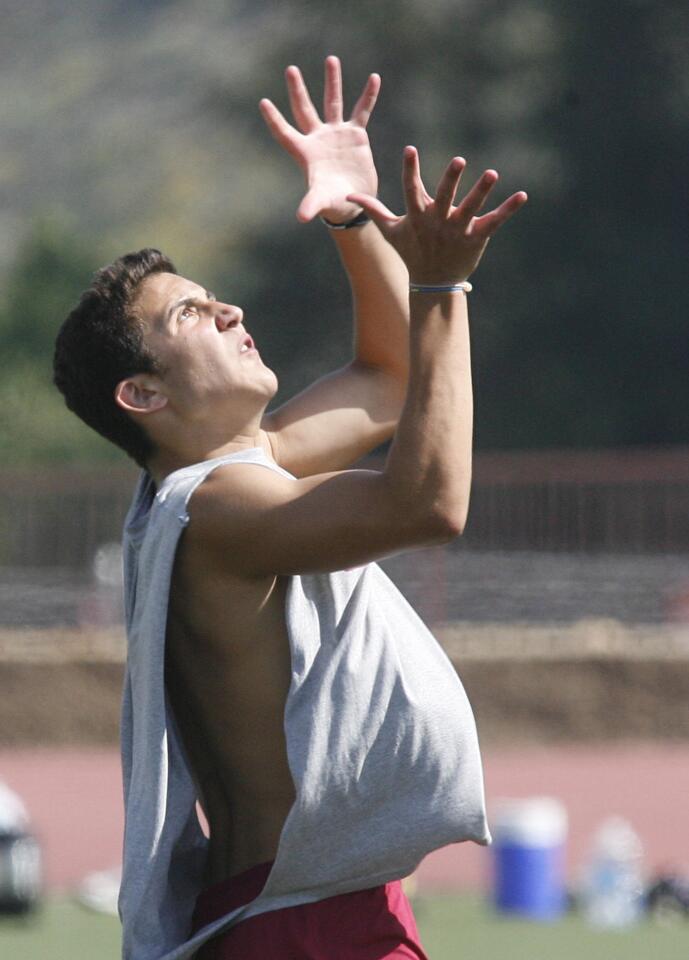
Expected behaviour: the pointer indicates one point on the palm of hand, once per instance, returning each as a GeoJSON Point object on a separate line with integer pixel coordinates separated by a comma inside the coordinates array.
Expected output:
{"type": "Point", "coordinates": [336, 160]}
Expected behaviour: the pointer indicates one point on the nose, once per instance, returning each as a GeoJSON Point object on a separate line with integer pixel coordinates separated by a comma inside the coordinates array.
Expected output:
{"type": "Point", "coordinates": [227, 316]}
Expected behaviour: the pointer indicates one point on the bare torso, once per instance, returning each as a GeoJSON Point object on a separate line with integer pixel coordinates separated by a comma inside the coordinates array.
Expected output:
{"type": "Point", "coordinates": [227, 674]}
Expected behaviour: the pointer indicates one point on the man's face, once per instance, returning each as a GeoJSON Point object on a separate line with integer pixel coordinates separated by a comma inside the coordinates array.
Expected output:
{"type": "Point", "coordinates": [205, 355]}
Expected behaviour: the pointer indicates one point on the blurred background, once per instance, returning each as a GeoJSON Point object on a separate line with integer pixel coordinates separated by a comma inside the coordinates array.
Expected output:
{"type": "Point", "coordinates": [566, 605]}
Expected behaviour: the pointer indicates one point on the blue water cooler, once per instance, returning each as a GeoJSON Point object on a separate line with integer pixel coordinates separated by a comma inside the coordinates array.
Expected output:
{"type": "Point", "coordinates": [529, 838]}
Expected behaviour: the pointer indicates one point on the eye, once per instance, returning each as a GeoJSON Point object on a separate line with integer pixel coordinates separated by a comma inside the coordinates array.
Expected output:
{"type": "Point", "coordinates": [188, 311]}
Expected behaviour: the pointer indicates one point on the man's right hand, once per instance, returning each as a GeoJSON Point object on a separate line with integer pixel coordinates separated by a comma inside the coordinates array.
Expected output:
{"type": "Point", "coordinates": [440, 243]}
{"type": "Point", "coordinates": [334, 153]}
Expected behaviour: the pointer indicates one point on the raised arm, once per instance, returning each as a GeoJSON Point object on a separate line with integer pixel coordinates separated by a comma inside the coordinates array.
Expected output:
{"type": "Point", "coordinates": [345, 414]}
{"type": "Point", "coordinates": [277, 525]}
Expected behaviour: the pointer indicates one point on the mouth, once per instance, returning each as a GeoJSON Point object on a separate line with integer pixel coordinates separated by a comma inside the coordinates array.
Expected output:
{"type": "Point", "coordinates": [246, 345]}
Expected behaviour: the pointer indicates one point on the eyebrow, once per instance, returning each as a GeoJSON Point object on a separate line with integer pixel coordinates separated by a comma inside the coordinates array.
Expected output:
{"type": "Point", "coordinates": [184, 302]}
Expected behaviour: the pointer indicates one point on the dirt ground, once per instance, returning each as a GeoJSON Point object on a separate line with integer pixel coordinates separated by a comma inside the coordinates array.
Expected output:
{"type": "Point", "coordinates": [578, 714]}
{"type": "Point", "coordinates": [49, 698]}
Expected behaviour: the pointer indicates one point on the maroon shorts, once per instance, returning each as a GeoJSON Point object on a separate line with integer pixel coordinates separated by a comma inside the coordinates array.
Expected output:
{"type": "Point", "coordinates": [375, 924]}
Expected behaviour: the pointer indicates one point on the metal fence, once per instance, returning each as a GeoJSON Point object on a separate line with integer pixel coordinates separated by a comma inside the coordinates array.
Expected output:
{"type": "Point", "coordinates": [561, 501]}
{"type": "Point", "coordinates": [648, 516]}
{"type": "Point", "coordinates": [60, 517]}
{"type": "Point", "coordinates": [552, 539]}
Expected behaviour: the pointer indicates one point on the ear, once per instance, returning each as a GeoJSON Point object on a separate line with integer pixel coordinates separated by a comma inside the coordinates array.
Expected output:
{"type": "Point", "coordinates": [140, 394]}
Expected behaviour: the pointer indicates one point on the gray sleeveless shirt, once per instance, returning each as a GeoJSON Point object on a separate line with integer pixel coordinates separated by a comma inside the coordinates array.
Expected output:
{"type": "Point", "coordinates": [381, 740]}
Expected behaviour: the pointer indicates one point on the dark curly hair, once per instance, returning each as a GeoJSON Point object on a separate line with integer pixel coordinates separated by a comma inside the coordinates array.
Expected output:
{"type": "Point", "coordinates": [101, 343]}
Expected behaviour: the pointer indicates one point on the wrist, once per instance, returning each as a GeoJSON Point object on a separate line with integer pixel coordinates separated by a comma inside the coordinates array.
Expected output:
{"type": "Point", "coordinates": [359, 220]}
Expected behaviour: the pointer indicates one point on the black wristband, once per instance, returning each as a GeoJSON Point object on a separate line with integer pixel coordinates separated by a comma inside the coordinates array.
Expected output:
{"type": "Point", "coordinates": [359, 220]}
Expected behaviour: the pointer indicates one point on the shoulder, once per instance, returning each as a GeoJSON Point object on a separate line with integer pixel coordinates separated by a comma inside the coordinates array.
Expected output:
{"type": "Point", "coordinates": [234, 502]}
{"type": "Point", "coordinates": [234, 486]}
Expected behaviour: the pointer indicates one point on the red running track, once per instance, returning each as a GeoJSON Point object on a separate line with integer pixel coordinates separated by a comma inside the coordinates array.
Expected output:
{"type": "Point", "coordinates": [74, 798]}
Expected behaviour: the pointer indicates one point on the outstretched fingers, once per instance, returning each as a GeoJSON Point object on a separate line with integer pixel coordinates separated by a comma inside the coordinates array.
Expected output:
{"type": "Point", "coordinates": [363, 108]}
{"type": "Point", "coordinates": [284, 132]}
{"type": "Point", "coordinates": [303, 110]}
{"type": "Point", "coordinates": [490, 223]}
{"type": "Point", "coordinates": [475, 199]}
{"type": "Point", "coordinates": [310, 206]}
{"type": "Point", "coordinates": [381, 215]}
{"type": "Point", "coordinates": [332, 91]}
{"type": "Point", "coordinates": [447, 187]}
{"type": "Point", "coordinates": [414, 191]}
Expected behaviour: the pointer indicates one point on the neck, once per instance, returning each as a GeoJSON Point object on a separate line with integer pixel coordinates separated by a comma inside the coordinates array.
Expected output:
{"type": "Point", "coordinates": [169, 457]}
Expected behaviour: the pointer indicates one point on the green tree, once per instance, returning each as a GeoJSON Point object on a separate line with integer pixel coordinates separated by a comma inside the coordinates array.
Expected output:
{"type": "Point", "coordinates": [50, 271]}
{"type": "Point", "coordinates": [46, 279]}
{"type": "Point", "coordinates": [578, 312]}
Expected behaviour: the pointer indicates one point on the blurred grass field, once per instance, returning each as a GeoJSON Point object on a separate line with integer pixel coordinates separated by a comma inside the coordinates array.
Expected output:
{"type": "Point", "coordinates": [452, 928]}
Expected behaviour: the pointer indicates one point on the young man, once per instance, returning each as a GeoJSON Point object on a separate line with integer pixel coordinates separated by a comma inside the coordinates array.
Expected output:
{"type": "Point", "coordinates": [274, 673]}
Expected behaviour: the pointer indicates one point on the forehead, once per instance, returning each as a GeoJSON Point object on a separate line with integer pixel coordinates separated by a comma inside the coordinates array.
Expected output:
{"type": "Point", "coordinates": [159, 292]}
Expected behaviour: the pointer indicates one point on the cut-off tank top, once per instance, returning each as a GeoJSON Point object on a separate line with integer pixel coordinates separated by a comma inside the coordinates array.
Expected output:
{"type": "Point", "coordinates": [381, 740]}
